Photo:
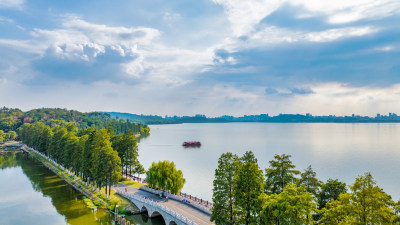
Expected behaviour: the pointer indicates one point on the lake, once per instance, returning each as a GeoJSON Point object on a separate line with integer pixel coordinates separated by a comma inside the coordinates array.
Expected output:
{"type": "Point", "coordinates": [337, 151]}
{"type": "Point", "coordinates": [32, 194]}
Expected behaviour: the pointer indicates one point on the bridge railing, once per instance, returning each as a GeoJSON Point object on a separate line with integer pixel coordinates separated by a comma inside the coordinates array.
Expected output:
{"type": "Point", "coordinates": [160, 208]}
{"type": "Point", "coordinates": [196, 204]}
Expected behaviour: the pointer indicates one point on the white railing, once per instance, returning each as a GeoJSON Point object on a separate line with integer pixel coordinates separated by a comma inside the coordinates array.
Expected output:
{"type": "Point", "coordinates": [196, 204]}
{"type": "Point", "coordinates": [158, 206]}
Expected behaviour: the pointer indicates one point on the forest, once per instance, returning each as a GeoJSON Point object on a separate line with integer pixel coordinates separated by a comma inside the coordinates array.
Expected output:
{"type": "Point", "coordinates": [244, 194]}
{"type": "Point", "coordinates": [12, 119]}
{"type": "Point", "coordinates": [99, 156]}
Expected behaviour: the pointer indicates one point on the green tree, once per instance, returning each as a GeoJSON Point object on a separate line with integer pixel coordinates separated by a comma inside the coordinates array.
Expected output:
{"type": "Point", "coordinates": [164, 175]}
{"type": "Point", "coordinates": [137, 168]}
{"type": "Point", "coordinates": [45, 139]}
{"type": "Point", "coordinates": [2, 136]}
{"type": "Point", "coordinates": [223, 198]}
{"type": "Point", "coordinates": [126, 146]}
{"type": "Point", "coordinates": [280, 173]}
{"type": "Point", "coordinates": [11, 135]}
{"type": "Point", "coordinates": [248, 187]}
{"type": "Point", "coordinates": [309, 180]}
{"type": "Point", "coordinates": [330, 191]}
{"type": "Point", "coordinates": [292, 206]}
{"type": "Point", "coordinates": [370, 204]}
{"type": "Point", "coordinates": [366, 204]}
{"type": "Point", "coordinates": [338, 211]}
{"type": "Point", "coordinates": [78, 155]}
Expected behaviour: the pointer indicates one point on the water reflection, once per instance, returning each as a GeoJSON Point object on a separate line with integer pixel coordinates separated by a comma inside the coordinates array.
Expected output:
{"type": "Point", "coordinates": [32, 194]}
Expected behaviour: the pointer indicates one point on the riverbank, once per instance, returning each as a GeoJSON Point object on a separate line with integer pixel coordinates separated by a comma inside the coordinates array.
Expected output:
{"type": "Point", "coordinates": [78, 184]}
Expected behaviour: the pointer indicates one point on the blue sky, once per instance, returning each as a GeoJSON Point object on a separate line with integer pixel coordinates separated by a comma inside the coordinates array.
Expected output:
{"type": "Point", "coordinates": [213, 57]}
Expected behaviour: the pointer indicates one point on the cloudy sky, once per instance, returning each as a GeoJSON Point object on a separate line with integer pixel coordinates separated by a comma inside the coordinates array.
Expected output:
{"type": "Point", "coordinates": [212, 57]}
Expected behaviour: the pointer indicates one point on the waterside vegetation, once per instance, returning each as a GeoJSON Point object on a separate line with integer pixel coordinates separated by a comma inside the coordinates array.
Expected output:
{"type": "Point", "coordinates": [85, 158]}
{"type": "Point", "coordinates": [243, 194]}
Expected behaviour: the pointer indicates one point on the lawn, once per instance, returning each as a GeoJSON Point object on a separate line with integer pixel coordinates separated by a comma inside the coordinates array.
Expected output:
{"type": "Point", "coordinates": [132, 183]}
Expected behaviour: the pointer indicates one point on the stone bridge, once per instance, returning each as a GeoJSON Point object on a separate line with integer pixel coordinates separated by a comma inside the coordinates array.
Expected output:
{"type": "Point", "coordinates": [154, 209]}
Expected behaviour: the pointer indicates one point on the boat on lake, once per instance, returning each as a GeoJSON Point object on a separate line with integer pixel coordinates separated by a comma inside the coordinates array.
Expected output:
{"type": "Point", "coordinates": [191, 144]}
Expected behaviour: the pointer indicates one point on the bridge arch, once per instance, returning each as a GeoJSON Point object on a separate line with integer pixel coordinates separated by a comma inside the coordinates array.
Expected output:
{"type": "Point", "coordinates": [155, 214]}
{"type": "Point", "coordinates": [143, 209]}
{"type": "Point", "coordinates": [172, 223]}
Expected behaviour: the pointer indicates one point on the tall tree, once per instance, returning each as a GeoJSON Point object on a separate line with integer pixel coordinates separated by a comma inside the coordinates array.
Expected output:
{"type": "Point", "coordinates": [309, 180]}
{"type": "Point", "coordinates": [292, 206]}
{"type": "Point", "coordinates": [330, 191]}
{"type": "Point", "coordinates": [223, 198]}
{"type": "Point", "coordinates": [248, 187]}
{"type": "Point", "coordinates": [366, 204]}
{"type": "Point", "coordinates": [2, 136]}
{"type": "Point", "coordinates": [164, 175]}
{"type": "Point", "coordinates": [280, 173]}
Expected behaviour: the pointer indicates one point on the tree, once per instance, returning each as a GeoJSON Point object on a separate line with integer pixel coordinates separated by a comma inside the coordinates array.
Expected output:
{"type": "Point", "coordinates": [338, 211]}
{"type": "Point", "coordinates": [366, 204]}
{"type": "Point", "coordinates": [223, 198]}
{"type": "Point", "coordinates": [11, 135]}
{"type": "Point", "coordinates": [370, 204]}
{"type": "Point", "coordinates": [292, 206]}
{"type": "Point", "coordinates": [280, 173]}
{"type": "Point", "coordinates": [78, 154]}
{"type": "Point", "coordinates": [309, 180]}
{"type": "Point", "coordinates": [164, 175]}
{"type": "Point", "coordinates": [45, 139]}
{"type": "Point", "coordinates": [2, 136]}
{"type": "Point", "coordinates": [138, 168]}
{"type": "Point", "coordinates": [248, 187]}
{"type": "Point", "coordinates": [330, 191]}
{"type": "Point", "coordinates": [126, 146]}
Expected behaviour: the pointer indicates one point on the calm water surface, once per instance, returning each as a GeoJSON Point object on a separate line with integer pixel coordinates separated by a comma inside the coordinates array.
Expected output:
{"type": "Point", "coordinates": [338, 151]}
{"type": "Point", "coordinates": [32, 194]}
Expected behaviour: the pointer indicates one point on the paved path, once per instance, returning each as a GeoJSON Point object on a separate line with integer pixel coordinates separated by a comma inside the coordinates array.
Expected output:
{"type": "Point", "coordinates": [183, 209]}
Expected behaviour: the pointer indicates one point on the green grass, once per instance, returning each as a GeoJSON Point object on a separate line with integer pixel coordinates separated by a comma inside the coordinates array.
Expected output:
{"type": "Point", "coordinates": [132, 183]}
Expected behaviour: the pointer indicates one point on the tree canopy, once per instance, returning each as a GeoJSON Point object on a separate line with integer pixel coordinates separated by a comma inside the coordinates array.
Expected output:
{"type": "Point", "coordinates": [165, 176]}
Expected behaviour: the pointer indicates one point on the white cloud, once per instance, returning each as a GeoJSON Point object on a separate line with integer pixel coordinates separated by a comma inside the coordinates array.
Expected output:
{"type": "Point", "coordinates": [245, 15]}
{"type": "Point", "coordinates": [344, 11]}
{"type": "Point", "coordinates": [145, 56]}
{"type": "Point", "coordinates": [11, 4]}
{"type": "Point", "coordinates": [274, 35]}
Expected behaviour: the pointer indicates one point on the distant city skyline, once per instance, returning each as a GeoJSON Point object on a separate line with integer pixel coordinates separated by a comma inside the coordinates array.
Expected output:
{"type": "Point", "coordinates": [213, 57]}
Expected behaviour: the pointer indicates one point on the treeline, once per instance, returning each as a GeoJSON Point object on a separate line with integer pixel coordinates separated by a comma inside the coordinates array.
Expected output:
{"type": "Point", "coordinates": [9, 136]}
{"type": "Point", "coordinates": [243, 194]}
{"type": "Point", "coordinates": [98, 156]}
{"type": "Point", "coordinates": [12, 119]}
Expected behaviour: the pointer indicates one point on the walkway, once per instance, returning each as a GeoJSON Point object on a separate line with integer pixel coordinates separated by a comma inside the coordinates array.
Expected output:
{"type": "Point", "coordinates": [181, 208]}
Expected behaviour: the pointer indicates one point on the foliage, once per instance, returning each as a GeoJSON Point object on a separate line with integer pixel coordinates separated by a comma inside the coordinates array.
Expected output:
{"type": "Point", "coordinates": [292, 206]}
{"type": "Point", "coordinates": [164, 175]}
{"type": "Point", "coordinates": [223, 198]}
{"type": "Point", "coordinates": [248, 187]}
{"type": "Point", "coordinates": [12, 119]}
{"type": "Point", "coordinates": [366, 204]}
{"type": "Point", "coordinates": [309, 180]}
{"type": "Point", "coordinates": [87, 152]}
{"type": "Point", "coordinates": [330, 191]}
{"type": "Point", "coordinates": [280, 173]}
{"type": "Point", "coordinates": [126, 146]}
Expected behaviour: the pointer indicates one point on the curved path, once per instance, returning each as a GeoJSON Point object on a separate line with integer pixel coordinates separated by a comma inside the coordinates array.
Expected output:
{"type": "Point", "coordinates": [183, 209]}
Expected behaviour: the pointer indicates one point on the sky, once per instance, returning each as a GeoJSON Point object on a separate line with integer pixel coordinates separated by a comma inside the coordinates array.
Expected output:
{"type": "Point", "coordinates": [212, 57]}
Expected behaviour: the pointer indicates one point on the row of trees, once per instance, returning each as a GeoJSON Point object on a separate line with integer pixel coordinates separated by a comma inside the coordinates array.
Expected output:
{"type": "Point", "coordinates": [98, 156]}
{"type": "Point", "coordinates": [243, 194]}
{"type": "Point", "coordinates": [9, 136]}
{"type": "Point", "coordinates": [12, 119]}
{"type": "Point", "coordinates": [164, 175]}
